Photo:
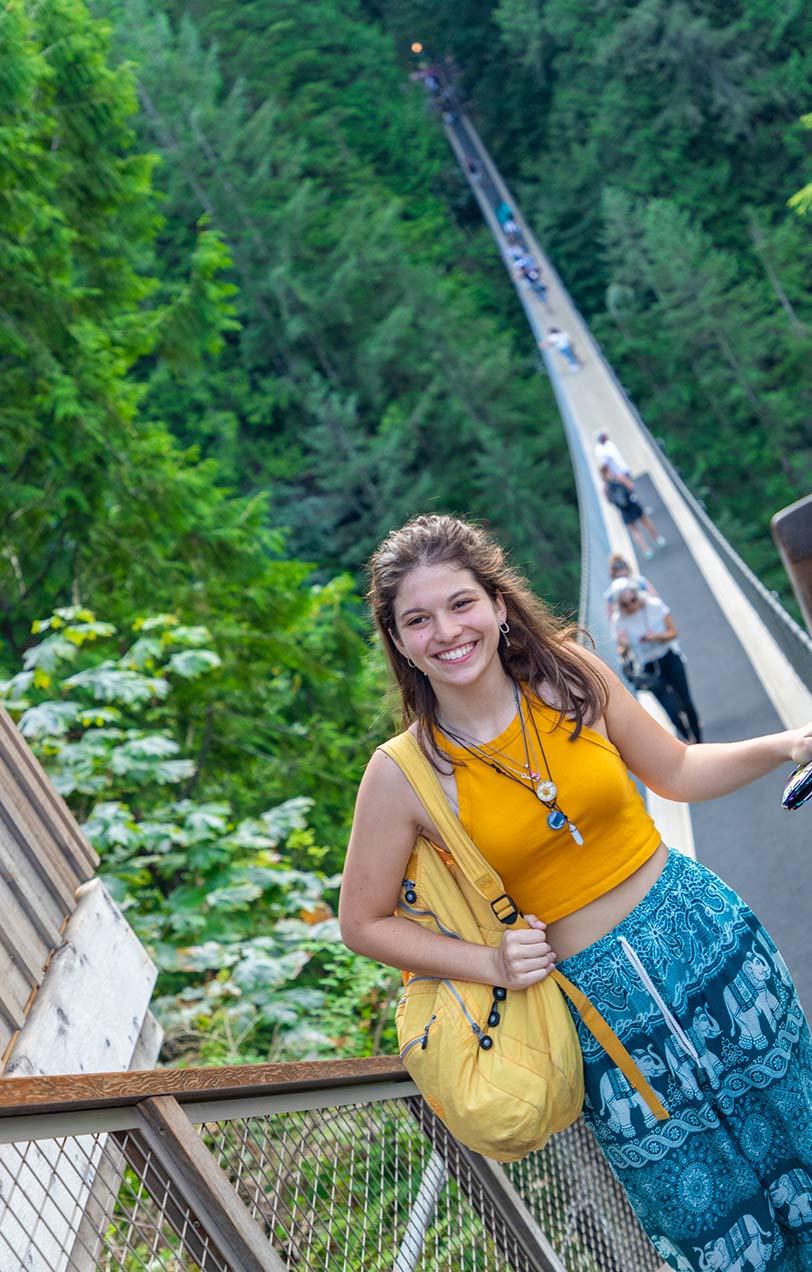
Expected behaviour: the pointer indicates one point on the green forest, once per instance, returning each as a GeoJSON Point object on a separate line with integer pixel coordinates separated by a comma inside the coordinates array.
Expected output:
{"type": "Point", "coordinates": [251, 320]}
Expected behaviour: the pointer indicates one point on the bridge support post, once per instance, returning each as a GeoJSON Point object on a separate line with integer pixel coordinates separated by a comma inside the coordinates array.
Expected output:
{"type": "Point", "coordinates": [792, 532]}
{"type": "Point", "coordinates": [491, 1194]}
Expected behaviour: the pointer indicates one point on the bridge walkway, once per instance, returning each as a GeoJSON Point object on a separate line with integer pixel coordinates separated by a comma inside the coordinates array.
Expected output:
{"type": "Point", "coordinates": [750, 666]}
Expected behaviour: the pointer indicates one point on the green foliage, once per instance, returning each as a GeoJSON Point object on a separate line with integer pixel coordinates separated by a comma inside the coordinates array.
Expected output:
{"type": "Point", "coordinates": [801, 201]}
{"type": "Point", "coordinates": [245, 939]}
{"type": "Point", "coordinates": [372, 376]}
{"type": "Point", "coordinates": [96, 499]}
{"type": "Point", "coordinates": [99, 502]}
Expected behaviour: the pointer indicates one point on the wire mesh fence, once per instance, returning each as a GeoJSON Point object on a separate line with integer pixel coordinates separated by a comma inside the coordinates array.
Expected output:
{"type": "Point", "coordinates": [361, 1187]}
{"type": "Point", "coordinates": [96, 1203]}
{"type": "Point", "coordinates": [580, 1206]}
{"type": "Point", "coordinates": [330, 1181]}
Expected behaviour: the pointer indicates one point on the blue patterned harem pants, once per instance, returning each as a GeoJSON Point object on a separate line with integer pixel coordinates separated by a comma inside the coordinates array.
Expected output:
{"type": "Point", "coordinates": [697, 991]}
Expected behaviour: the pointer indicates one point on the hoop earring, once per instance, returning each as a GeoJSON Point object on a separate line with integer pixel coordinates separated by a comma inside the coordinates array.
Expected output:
{"type": "Point", "coordinates": [504, 629]}
{"type": "Point", "coordinates": [409, 661]}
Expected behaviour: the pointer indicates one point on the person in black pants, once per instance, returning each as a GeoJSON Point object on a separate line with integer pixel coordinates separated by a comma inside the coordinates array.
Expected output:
{"type": "Point", "coordinates": [646, 635]}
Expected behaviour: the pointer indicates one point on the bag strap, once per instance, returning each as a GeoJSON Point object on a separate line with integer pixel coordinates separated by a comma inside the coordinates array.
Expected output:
{"type": "Point", "coordinates": [405, 750]}
{"type": "Point", "coordinates": [606, 1036]}
{"type": "Point", "coordinates": [407, 753]}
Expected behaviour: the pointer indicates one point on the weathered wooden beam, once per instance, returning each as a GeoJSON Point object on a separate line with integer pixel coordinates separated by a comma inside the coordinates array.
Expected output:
{"type": "Point", "coordinates": [86, 1253]}
{"type": "Point", "coordinates": [44, 856]}
{"type": "Point", "coordinates": [205, 1187]}
{"type": "Point", "coordinates": [49, 1094]}
{"type": "Point", "coordinates": [27, 776]}
{"type": "Point", "coordinates": [26, 898]}
{"type": "Point", "coordinates": [88, 1013]}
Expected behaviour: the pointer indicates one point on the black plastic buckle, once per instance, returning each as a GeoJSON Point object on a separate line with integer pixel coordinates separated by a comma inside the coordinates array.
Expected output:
{"type": "Point", "coordinates": [511, 915]}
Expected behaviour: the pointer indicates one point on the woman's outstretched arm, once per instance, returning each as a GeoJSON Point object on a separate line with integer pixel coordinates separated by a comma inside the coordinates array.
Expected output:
{"type": "Point", "coordinates": [702, 771]}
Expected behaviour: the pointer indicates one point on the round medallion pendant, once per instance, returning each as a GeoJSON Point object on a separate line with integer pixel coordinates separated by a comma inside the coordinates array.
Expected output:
{"type": "Point", "coordinates": [547, 792]}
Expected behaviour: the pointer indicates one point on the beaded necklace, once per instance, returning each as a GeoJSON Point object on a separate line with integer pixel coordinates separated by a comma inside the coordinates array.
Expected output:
{"type": "Point", "coordinates": [527, 776]}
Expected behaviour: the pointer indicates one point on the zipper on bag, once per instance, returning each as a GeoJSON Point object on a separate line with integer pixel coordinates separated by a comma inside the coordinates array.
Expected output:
{"type": "Point", "coordinates": [427, 914]}
{"type": "Point", "coordinates": [422, 1039]}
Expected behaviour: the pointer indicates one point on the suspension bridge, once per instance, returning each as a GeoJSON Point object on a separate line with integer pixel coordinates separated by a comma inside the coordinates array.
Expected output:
{"type": "Point", "coordinates": [107, 1163]}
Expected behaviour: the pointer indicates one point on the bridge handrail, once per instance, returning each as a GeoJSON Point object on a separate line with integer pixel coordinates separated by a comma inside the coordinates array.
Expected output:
{"type": "Point", "coordinates": [794, 642]}
{"type": "Point", "coordinates": [79, 1092]}
{"type": "Point", "coordinates": [257, 1168]}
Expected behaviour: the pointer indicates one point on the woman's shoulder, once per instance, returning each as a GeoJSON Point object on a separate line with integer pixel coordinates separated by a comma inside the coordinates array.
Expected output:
{"type": "Point", "coordinates": [398, 743]}
{"type": "Point", "coordinates": [384, 769]}
{"type": "Point", "coordinates": [387, 794]}
{"type": "Point", "coordinates": [656, 605]}
{"type": "Point", "coordinates": [384, 783]}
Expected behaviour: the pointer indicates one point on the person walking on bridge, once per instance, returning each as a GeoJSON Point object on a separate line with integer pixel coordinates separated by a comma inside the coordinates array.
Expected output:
{"type": "Point", "coordinates": [532, 740]}
{"type": "Point", "coordinates": [527, 268]}
{"type": "Point", "coordinates": [562, 341]}
{"type": "Point", "coordinates": [645, 631]}
{"type": "Point", "coordinates": [607, 453]}
{"type": "Point", "coordinates": [619, 571]}
{"type": "Point", "coordinates": [619, 491]}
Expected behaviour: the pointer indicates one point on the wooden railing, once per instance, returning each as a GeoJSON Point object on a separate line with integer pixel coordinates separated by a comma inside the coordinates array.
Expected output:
{"type": "Point", "coordinates": [334, 1165]}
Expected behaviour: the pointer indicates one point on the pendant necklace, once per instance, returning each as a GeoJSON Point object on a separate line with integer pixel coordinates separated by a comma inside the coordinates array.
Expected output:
{"type": "Point", "coordinates": [545, 790]}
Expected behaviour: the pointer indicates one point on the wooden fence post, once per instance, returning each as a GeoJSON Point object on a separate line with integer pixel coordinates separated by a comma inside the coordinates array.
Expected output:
{"type": "Point", "coordinates": [204, 1187]}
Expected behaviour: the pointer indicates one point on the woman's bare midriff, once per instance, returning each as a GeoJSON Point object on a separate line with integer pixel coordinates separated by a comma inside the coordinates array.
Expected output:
{"type": "Point", "coordinates": [576, 931]}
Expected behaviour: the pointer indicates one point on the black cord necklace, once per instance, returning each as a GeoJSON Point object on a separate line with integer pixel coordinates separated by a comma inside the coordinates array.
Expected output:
{"type": "Point", "coordinates": [528, 778]}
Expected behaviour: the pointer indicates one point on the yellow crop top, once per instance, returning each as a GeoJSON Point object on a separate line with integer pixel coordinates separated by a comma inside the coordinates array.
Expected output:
{"type": "Point", "coordinates": [544, 870]}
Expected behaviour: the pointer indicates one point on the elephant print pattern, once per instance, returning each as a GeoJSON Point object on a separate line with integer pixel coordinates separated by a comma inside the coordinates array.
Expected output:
{"type": "Point", "coordinates": [696, 990]}
{"type": "Point", "coordinates": [619, 1098]}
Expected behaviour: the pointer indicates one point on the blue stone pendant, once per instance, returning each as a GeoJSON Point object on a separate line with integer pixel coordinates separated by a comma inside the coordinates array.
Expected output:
{"type": "Point", "coordinates": [556, 819]}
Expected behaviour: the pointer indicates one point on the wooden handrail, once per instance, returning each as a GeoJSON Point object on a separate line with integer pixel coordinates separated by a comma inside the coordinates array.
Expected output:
{"type": "Point", "coordinates": [74, 1091]}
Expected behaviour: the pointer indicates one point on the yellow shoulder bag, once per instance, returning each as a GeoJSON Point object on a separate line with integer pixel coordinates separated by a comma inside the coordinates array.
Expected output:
{"type": "Point", "coordinates": [503, 1069]}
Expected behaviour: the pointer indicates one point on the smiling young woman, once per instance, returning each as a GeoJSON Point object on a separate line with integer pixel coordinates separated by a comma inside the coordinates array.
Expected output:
{"type": "Point", "coordinates": [533, 740]}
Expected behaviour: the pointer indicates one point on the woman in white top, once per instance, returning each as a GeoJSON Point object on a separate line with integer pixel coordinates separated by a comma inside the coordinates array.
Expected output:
{"type": "Point", "coordinates": [619, 572]}
{"type": "Point", "coordinates": [645, 629]}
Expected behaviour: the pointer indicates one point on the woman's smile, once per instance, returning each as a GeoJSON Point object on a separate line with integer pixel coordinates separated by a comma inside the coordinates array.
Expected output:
{"type": "Point", "coordinates": [457, 654]}
{"type": "Point", "coordinates": [446, 621]}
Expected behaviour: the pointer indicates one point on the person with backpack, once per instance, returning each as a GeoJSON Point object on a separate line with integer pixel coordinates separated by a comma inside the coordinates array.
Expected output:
{"type": "Point", "coordinates": [647, 644]}
{"type": "Point", "coordinates": [531, 740]}
{"type": "Point", "coordinates": [620, 492]}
